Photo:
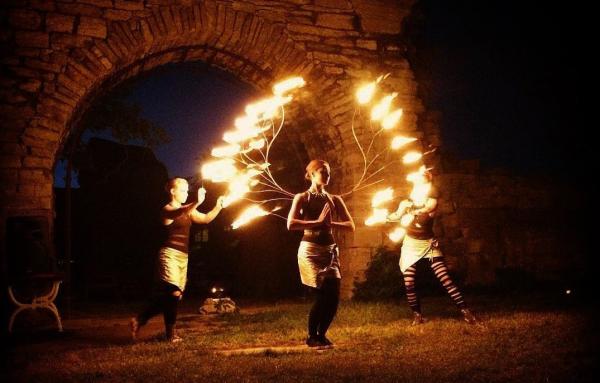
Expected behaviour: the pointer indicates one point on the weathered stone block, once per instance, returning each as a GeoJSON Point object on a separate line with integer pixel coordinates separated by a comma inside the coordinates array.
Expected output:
{"type": "Point", "coordinates": [42, 5]}
{"type": "Point", "coordinates": [55, 22]}
{"type": "Point", "coordinates": [338, 4]}
{"type": "Point", "coordinates": [25, 19]}
{"type": "Point", "coordinates": [80, 9]}
{"type": "Point", "coordinates": [98, 3]}
{"type": "Point", "coordinates": [367, 44]}
{"type": "Point", "coordinates": [31, 86]}
{"type": "Point", "coordinates": [130, 5]}
{"type": "Point", "coordinates": [93, 27]}
{"type": "Point", "coordinates": [33, 39]}
{"type": "Point", "coordinates": [117, 14]}
{"type": "Point", "coordinates": [10, 160]}
{"type": "Point", "coordinates": [336, 21]}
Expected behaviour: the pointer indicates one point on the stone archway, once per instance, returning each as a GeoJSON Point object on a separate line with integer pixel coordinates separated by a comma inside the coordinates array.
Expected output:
{"type": "Point", "coordinates": [61, 55]}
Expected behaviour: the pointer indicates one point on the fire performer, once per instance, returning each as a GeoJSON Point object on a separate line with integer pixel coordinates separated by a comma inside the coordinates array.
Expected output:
{"type": "Point", "coordinates": [318, 254]}
{"type": "Point", "coordinates": [173, 256]}
{"type": "Point", "coordinates": [420, 242]}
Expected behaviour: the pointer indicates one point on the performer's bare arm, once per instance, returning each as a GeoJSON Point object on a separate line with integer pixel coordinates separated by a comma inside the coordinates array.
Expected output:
{"type": "Point", "coordinates": [403, 208]}
{"type": "Point", "coordinates": [295, 223]}
{"type": "Point", "coordinates": [198, 217]}
{"type": "Point", "coordinates": [346, 219]}
{"type": "Point", "coordinates": [429, 208]}
{"type": "Point", "coordinates": [169, 213]}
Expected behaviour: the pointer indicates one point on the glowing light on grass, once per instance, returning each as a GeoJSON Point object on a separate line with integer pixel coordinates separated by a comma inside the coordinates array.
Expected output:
{"type": "Point", "coordinates": [379, 216]}
{"type": "Point", "coordinates": [411, 157]}
{"type": "Point", "coordinates": [382, 197]}
{"type": "Point", "coordinates": [391, 120]}
{"type": "Point", "coordinates": [400, 141]}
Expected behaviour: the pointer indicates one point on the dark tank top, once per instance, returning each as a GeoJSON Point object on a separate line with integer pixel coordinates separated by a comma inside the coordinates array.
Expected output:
{"type": "Point", "coordinates": [311, 210]}
{"type": "Point", "coordinates": [422, 225]}
{"type": "Point", "coordinates": [178, 233]}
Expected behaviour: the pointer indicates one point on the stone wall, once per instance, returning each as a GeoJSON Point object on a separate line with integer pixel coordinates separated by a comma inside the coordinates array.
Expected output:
{"type": "Point", "coordinates": [58, 56]}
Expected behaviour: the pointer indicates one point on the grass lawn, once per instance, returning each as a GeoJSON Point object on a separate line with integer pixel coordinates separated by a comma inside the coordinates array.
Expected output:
{"type": "Point", "coordinates": [534, 339]}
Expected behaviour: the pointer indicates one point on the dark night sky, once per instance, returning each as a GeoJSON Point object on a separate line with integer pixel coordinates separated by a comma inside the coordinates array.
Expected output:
{"type": "Point", "coordinates": [505, 76]}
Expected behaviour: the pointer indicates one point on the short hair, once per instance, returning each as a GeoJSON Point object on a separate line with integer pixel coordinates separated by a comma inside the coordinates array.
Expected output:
{"type": "Point", "coordinates": [172, 182]}
{"type": "Point", "coordinates": [313, 166]}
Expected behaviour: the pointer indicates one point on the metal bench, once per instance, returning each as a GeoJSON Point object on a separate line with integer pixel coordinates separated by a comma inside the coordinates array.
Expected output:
{"type": "Point", "coordinates": [38, 298]}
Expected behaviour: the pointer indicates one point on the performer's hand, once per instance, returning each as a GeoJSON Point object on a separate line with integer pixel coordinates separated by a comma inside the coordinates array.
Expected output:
{"type": "Point", "coordinates": [405, 204]}
{"type": "Point", "coordinates": [221, 202]}
{"type": "Point", "coordinates": [325, 216]}
{"type": "Point", "coordinates": [201, 195]}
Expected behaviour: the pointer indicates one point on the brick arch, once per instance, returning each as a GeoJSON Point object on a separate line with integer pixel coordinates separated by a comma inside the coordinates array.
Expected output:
{"type": "Point", "coordinates": [62, 55]}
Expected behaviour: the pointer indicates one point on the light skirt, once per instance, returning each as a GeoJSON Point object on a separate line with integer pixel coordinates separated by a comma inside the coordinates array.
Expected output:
{"type": "Point", "coordinates": [317, 262]}
{"type": "Point", "coordinates": [172, 266]}
{"type": "Point", "coordinates": [414, 249]}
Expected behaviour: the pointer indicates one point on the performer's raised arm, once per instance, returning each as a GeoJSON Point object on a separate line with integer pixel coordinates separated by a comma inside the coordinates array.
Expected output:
{"type": "Point", "coordinates": [198, 217]}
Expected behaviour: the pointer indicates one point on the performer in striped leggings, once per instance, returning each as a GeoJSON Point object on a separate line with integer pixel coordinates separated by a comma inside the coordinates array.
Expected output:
{"type": "Point", "coordinates": [419, 242]}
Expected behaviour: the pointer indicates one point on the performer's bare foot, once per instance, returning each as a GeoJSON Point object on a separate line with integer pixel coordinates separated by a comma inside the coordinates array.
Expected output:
{"type": "Point", "coordinates": [417, 319]}
{"type": "Point", "coordinates": [172, 335]}
{"type": "Point", "coordinates": [469, 317]}
{"type": "Point", "coordinates": [314, 341]}
{"type": "Point", "coordinates": [325, 341]}
{"type": "Point", "coordinates": [134, 328]}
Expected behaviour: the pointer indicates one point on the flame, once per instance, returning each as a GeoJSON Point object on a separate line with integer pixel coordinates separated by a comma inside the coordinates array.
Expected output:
{"type": "Point", "coordinates": [411, 157]}
{"type": "Point", "coordinates": [226, 151]}
{"type": "Point", "coordinates": [365, 93]}
{"type": "Point", "coordinates": [382, 196]}
{"type": "Point", "coordinates": [246, 123]}
{"type": "Point", "coordinates": [220, 170]}
{"type": "Point", "coordinates": [391, 119]}
{"type": "Point", "coordinates": [289, 84]}
{"type": "Point", "coordinates": [420, 193]}
{"type": "Point", "coordinates": [378, 216]}
{"type": "Point", "coordinates": [400, 141]}
{"type": "Point", "coordinates": [397, 234]}
{"type": "Point", "coordinates": [381, 109]}
{"type": "Point", "coordinates": [237, 136]}
{"type": "Point", "coordinates": [406, 219]}
{"type": "Point", "coordinates": [418, 177]}
{"type": "Point", "coordinates": [248, 215]}
{"type": "Point", "coordinates": [257, 144]}
{"type": "Point", "coordinates": [268, 107]}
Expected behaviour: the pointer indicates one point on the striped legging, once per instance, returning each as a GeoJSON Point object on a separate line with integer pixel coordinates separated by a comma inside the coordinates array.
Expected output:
{"type": "Point", "coordinates": [441, 272]}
